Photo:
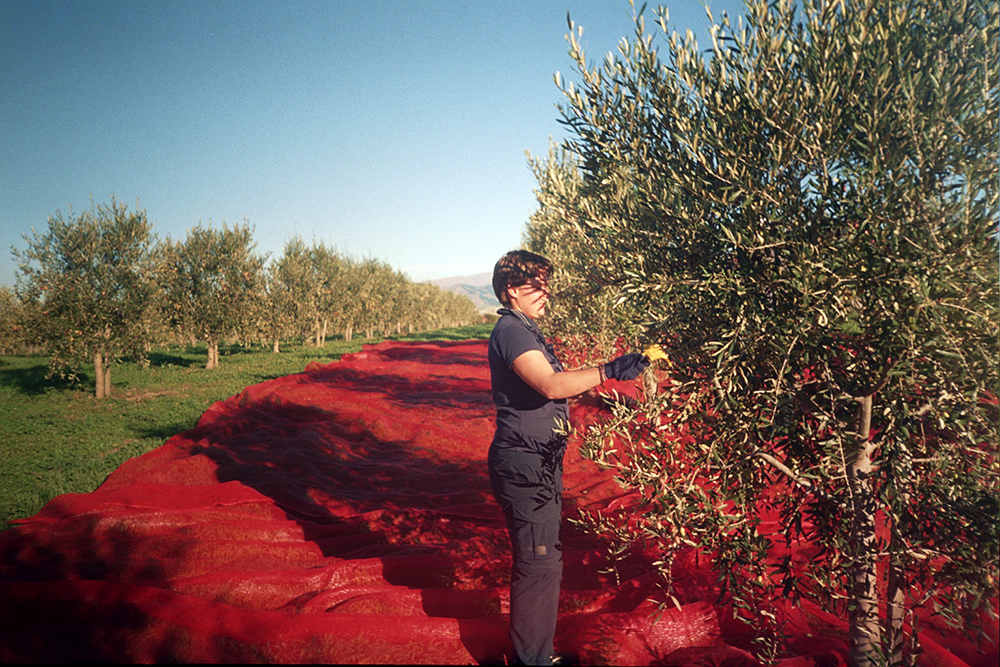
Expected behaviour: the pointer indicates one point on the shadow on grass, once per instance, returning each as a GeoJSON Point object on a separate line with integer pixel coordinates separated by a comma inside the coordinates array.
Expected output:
{"type": "Point", "coordinates": [192, 356]}
{"type": "Point", "coordinates": [35, 379]}
{"type": "Point", "coordinates": [163, 431]}
{"type": "Point", "coordinates": [171, 359]}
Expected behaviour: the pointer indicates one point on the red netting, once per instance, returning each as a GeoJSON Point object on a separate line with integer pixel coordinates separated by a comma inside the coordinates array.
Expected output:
{"type": "Point", "coordinates": [343, 515]}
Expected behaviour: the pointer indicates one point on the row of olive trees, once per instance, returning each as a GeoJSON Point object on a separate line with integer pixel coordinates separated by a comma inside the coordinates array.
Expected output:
{"type": "Point", "coordinates": [806, 217]}
{"type": "Point", "coordinates": [313, 290]}
{"type": "Point", "coordinates": [99, 286]}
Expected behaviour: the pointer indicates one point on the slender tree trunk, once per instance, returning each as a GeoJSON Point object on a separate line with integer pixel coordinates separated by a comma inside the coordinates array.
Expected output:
{"type": "Point", "coordinates": [100, 387]}
{"type": "Point", "coordinates": [213, 354]}
{"type": "Point", "coordinates": [349, 332]}
{"type": "Point", "coordinates": [863, 595]}
{"type": "Point", "coordinates": [276, 346]}
{"type": "Point", "coordinates": [896, 598]}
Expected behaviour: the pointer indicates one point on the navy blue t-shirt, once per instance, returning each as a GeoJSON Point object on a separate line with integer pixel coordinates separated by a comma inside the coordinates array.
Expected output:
{"type": "Point", "coordinates": [525, 419]}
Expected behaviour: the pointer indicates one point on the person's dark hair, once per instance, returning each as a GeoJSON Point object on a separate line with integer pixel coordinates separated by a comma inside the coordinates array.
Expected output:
{"type": "Point", "coordinates": [516, 268]}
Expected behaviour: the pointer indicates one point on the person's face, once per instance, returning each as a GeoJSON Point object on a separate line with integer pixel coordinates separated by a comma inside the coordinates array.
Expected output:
{"type": "Point", "coordinates": [530, 298]}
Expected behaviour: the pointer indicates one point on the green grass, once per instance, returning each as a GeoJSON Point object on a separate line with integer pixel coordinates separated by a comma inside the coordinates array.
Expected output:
{"type": "Point", "coordinates": [56, 438]}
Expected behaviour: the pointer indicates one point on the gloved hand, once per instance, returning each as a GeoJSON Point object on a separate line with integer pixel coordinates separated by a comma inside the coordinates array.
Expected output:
{"type": "Point", "coordinates": [626, 367]}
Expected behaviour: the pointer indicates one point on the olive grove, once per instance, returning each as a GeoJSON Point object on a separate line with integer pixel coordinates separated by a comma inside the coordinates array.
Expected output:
{"type": "Point", "coordinates": [805, 217]}
{"type": "Point", "coordinates": [99, 287]}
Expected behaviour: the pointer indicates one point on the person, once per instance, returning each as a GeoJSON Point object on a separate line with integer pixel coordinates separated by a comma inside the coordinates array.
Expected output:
{"type": "Point", "coordinates": [530, 388]}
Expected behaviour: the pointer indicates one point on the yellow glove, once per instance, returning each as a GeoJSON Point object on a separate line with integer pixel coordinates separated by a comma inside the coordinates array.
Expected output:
{"type": "Point", "coordinates": [654, 352]}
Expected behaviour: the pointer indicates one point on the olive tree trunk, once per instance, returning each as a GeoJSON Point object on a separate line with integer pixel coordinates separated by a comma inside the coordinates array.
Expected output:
{"type": "Point", "coordinates": [863, 603]}
{"type": "Point", "coordinates": [102, 376]}
{"type": "Point", "coordinates": [213, 355]}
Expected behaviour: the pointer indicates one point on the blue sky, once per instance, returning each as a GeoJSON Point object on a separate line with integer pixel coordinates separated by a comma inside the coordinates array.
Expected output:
{"type": "Point", "coordinates": [394, 130]}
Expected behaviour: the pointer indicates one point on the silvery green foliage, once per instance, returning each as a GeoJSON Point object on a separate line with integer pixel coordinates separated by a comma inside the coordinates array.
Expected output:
{"type": "Point", "coordinates": [582, 309]}
{"type": "Point", "coordinates": [88, 288]}
{"type": "Point", "coordinates": [805, 215]}
{"type": "Point", "coordinates": [215, 284]}
{"type": "Point", "coordinates": [316, 291]}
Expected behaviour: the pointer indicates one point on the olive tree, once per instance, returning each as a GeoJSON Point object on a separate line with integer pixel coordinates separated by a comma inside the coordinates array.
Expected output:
{"type": "Point", "coordinates": [806, 218]}
{"type": "Point", "coordinates": [215, 283]}
{"type": "Point", "coordinates": [277, 315]}
{"type": "Point", "coordinates": [456, 309]}
{"type": "Point", "coordinates": [310, 283]}
{"type": "Point", "coordinates": [394, 299]}
{"type": "Point", "coordinates": [365, 281]}
{"type": "Point", "coordinates": [88, 286]}
{"type": "Point", "coordinates": [330, 290]}
{"type": "Point", "coordinates": [431, 307]}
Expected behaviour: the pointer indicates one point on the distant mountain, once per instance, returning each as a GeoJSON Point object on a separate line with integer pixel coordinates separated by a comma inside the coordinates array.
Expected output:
{"type": "Point", "coordinates": [479, 288]}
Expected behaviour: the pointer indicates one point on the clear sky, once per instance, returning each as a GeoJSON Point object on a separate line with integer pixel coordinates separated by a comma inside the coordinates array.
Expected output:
{"type": "Point", "coordinates": [387, 129]}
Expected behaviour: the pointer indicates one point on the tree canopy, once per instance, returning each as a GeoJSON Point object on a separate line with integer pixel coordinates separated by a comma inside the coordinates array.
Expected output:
{"type": "Point", "coordinates": [88, 282]}
{"type": "Point", "coordinates": [215, 283]}
{"type": "Point", "coordinates": [805, 216]}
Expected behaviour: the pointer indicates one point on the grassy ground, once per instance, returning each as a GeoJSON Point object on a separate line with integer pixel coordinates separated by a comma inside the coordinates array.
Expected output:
{"type": "Point", "coordinates": [56, 438]}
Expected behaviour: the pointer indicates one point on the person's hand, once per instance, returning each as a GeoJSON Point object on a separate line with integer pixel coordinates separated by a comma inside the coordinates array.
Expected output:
{"type": "Point", "coordinates": [626, 367]}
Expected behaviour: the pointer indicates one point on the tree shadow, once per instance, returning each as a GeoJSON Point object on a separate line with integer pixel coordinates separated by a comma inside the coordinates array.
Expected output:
{"type": "Point", "coordinates": [35, 380]}
{"type": "Point", "coordinates": [428, 520]}
{"type": "Point", "coordinates": [453, 393]}
{"type": "Point", "coordinates": [437, 352]}
{"type": "Point", "coordinates": [170, 359]}
{"type": "Point", "coordinates": [162, 432]}
{"type": "Point", "coordinates": [56, 604]}
{"type": "Point", "coordinates": [320, 465]}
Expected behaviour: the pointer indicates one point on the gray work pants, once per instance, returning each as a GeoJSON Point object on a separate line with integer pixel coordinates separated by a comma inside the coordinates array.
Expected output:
{"type": "Point", "coordinates": [528, 488]}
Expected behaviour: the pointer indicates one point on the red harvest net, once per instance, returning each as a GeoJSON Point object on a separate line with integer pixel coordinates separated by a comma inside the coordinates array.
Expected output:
{"type": "Point", "coordinates": [343, 515]}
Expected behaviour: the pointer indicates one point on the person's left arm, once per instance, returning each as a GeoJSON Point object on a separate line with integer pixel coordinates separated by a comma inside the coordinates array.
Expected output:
{"type": "Point", "coordinates": [537, 372]}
